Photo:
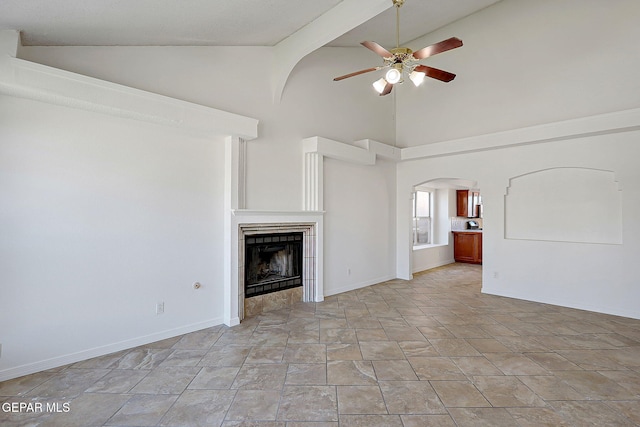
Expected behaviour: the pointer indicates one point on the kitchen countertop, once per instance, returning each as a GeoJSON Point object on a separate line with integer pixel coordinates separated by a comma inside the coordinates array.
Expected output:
{"type": "Point", "coordinates": [467, 231]}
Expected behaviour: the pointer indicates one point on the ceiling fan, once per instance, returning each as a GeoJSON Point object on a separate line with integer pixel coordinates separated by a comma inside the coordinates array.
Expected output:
{"type": "Point", "coordinates": [402, 60]}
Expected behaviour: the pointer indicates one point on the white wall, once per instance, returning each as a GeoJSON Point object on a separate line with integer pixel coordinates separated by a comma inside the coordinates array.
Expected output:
{"type": "Point", "coordinates": [598, 277]}
{"type": "Point", "coordinates": [359, 244]}
{"type": "Point", "coordinates": [312, 103]}
{"type": "Point", "coordinates": [525, 63]}
{"type": "Point", "coordinates": [106, 216]}
{"type": "Point", "coordinates": [101, 219]}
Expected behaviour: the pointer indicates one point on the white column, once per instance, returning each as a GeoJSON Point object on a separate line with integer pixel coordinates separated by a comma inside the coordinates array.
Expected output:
{"type": "Point", "coordinates": [313, 182]}
{"type": "Point", "coordinates": [234, 185]}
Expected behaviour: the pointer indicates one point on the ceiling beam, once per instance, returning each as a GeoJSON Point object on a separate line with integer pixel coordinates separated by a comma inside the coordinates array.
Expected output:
{"type": "Point", "coordinates": [345, 16]}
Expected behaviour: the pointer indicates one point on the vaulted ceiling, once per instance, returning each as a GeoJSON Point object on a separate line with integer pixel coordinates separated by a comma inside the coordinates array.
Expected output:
{"type": "Point", "coordinates": [218, 22]}
{"type": "Point", "coordinates": [294, 28]}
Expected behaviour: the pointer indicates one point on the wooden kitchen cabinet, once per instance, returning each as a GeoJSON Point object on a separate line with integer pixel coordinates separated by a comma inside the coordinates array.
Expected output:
{"type": "Point", "coordinates": [467, 246]}
{"type": "Point", "coordinates": [467, 203]}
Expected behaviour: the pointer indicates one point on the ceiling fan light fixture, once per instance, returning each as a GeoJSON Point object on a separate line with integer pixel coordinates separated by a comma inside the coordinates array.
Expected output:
{"type": "Point", "coordinates": [402, 62]}
{"type": "Point", "coordinates": [393, 76]}
{"type": "Point", "coordinates": [379, 85]}
{"type": "Point", "coordinates": [417, 77]}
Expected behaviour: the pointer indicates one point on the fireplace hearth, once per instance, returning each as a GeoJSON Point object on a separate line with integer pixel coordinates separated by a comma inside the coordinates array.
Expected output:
{"type": "Point", "coordinates": [273, 262]}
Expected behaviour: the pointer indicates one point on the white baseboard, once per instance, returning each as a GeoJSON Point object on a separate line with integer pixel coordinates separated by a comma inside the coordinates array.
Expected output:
{"type": "Point", "coordinates": [67, 359]}
{"type": "Point", "coordinates": [429, 266]}
{"type": "Point", "coordinates": [632, 314]}
{"type": "Point", "coordinates": [354, 286]}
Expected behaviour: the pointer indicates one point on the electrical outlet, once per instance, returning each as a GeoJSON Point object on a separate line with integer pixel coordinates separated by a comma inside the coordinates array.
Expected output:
{"type": "Point", "coordinates": [495, 275]}
{"type": "Point", "coordinates": [160, 308]}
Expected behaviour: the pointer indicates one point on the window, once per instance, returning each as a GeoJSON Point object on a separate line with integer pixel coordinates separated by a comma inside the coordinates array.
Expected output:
{"type": "Point", "coordinates": [421, 218]}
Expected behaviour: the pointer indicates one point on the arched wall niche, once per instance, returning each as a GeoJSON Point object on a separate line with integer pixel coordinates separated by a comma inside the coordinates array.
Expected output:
{"type": "Point", "coordinates": [568, 204]}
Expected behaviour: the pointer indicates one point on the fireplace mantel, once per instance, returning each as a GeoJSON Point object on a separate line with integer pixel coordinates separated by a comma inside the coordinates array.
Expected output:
{"type": "Point", "coordinates": [243, 213]}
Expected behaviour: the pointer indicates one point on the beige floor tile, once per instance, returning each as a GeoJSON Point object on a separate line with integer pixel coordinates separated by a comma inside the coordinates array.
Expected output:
{"type": "Point", "coordinates": [537, 417]}
{"type": "Point", "coordinates": [254, 405]}
{"type": "Point", "coordinates": [371, 335]}
{"type": "Point", "coordinates": [108, 361]}
{"type": "Point", "coordinates": [515, 364]}
{"type": "Point", "coordinates": [629, 408]}
{"type": "Point", "coordinates": [627, 379]}
{"type": "Point", "coordinates": [381, 350]}
{"type": "Point", "coordinates": [592, 360]}
{"type": "Point", "coordinates": [310, 374]}
{"type": "Point", "coordinates": [261, 377]}
{"type": "Point", "coordinates": [200, 340]}
{"type": "Point", "coordinates": [459, 394]}
{"type": "Point", "coordinates": [454, 347]}
{"type": "Point", "coordinates": [595, 386]}
{"type": "Point", "coordinates": [265, 354]}
{"type": "Point", "coordinates": [435, 368]}
{"type": "Point", "coordinates": [305, 353]}
{"type": "Point", "coordinates": [476, 366]}
{"type": "Point", "coordinates": [228, 355]}
{"type": "Point", "coordinates": [333, 323]}
{"type": "Point", "coordinates": [468, 331]}
{"type": "Point", "coordinates": [360, 400]}
{"type": "Point", "coordinates": [498, 330]}
{"type": "Point", "coordinates": [417, 348]}
{"type": "Point", "coordinates": [506, 391]}
{"type": "Point", "coordinates": [86, 410]}
{"type": "Point", "coordinates": [384, 355]}
{"type": "Point", "coordinates": [308, 403]}
{"type": "Point", "coordinates": [364, 322]}
{"type": "Point", "coordinates": [523, 343]}
{"type": "Point", "coordinates": [342, 336]}
{"type": "Point", "coordinates": [427, 420]}
{"type": "Point", "coordinates": [487, 345]}
{"type": "Point", "coordinates": [214, 377]}
{"type": "Point", "coordinates": [118, 381]}
{"type": "Point", "coordinates": [170, 380]}
{"type": "Point", "coordinates": [553, 362]}
{"type": "Point", "coordinates": [404, 333]}
{"type": "Point", "coordinates": [394, 370]}
{"type": "Point", "coordinates": [69, 383]}
{"type": "Point", "coordinates": [411, 397]}
{"type": "Point", "coordinates": [143, 410]}
{"type": "Point", "coordinates": [184, 358]}
{"type": "Point", "coordinates": [482, 417]}
{"type": "Point", "coordinates": [586, 413]}
{"type": "Point", "coordinates": [550, 387]}
{"type": "Point", "coordinates": [199, 408]}
{"type": "Point", "coordinates": [350, 372]}
{"type": "Point", "coordinates": [370, 421]}
{"type": "Point", "coordinates": [343, 352]}
{"type": "Point", "coordinates": [430, 332]}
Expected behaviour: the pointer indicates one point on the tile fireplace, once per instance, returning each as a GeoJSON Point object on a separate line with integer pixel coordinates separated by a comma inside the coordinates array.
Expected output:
{"type": "Point", "coordinates": [267, 268]}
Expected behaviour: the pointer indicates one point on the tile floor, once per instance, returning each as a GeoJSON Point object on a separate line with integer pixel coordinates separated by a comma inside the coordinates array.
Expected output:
{"type": "Point", "coordinates": [429, 352]}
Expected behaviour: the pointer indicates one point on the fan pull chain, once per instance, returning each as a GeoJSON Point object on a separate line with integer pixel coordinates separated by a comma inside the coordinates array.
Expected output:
{"type": "Point", "coordinates": [397, 26]}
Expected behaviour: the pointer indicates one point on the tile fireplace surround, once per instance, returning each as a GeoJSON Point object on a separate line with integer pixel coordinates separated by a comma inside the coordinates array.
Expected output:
{"type": "Point", "coordinates": [247, 223]}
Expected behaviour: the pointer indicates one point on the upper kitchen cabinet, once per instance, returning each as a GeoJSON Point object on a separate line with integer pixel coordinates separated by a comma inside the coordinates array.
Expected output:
{"type": "Point", "coordinates": [469, 203]}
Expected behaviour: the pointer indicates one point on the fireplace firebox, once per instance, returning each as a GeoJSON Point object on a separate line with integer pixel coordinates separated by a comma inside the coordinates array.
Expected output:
{"type": "Point", "coordinates": [273, 262]}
